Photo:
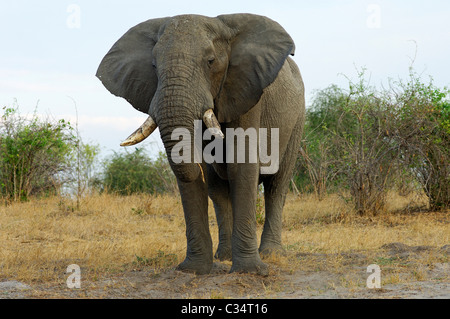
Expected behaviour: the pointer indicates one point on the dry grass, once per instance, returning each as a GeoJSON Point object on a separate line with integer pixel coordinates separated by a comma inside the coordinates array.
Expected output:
{"type": "Point", "coordinates": [40, 238]}
{"type": "Point", "coordinates": [330, 226]}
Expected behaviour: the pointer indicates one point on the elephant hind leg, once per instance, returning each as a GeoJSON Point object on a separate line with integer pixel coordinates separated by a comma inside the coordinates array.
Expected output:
{"type": "Point", "coordinates": [274, 197]}
{"type": "Point", "coordinates": [275, 190]}
{"type": "Point", "coordinates": [219, 192]}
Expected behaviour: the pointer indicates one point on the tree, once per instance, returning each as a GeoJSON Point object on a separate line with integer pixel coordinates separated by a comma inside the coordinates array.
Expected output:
{"type": "Point", "coordinates": [316, 161]}
{"type": "Point", "coordinates": [33, 154]}
{"type": "Point", "coordinates": [364, 153]}
{"type": "Point", "coordinates": [346, 145]}
{"type": "Point", "coordinates": [363, 138]}
{"type": "Point", "coordinates": [82, 177]}
{"type": "Point", "coordinates": [422, 131]}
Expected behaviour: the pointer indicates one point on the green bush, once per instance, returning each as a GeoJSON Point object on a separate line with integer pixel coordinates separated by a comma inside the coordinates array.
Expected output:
{"type": "Point", "coordinates": [33, 155]}
{"type": "Point", "coordinates": [317, 168]}
{"type": "Point", "coordinates": [421, 128]}
{"type": "Point", "coordinates": [127, 173]}
{"type": "Point", "coordinates": [364, 140]}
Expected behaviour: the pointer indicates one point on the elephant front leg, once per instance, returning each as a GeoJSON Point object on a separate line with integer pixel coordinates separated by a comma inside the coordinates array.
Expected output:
{"type": "Point", "coordinates": [245, 255]}
{"type": "Point", "coordinates": [199, 256]}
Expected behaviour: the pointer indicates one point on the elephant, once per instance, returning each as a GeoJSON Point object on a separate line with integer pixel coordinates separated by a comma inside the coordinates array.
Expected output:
{"type": "Point", "coordinates": [226, 72]}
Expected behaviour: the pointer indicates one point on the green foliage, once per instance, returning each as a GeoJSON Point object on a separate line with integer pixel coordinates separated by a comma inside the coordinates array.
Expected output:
{"type": "Point", "coordinates": [364, 153]}
{"type": "Point", "coordinates": [260, 205]}
{"type": "Point", "coordinates": [316, 168]}
{"type": "Point", "coordinates": [33, 154]}
{"type": "Point", "coordinates": [128, 173]}
{"type": "Point", "coordinates": [83, 175]}
{"type": "Point", "coordinates": [361, 138]}
{"type": "Point", "coordinates": [42, 157]}
{"type": "Point", "coordinates": [422, 131]}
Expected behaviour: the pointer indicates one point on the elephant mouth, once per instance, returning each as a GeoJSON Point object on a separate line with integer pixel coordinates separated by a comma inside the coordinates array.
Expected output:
{"type": "Point", "coordinates": [149, 126]}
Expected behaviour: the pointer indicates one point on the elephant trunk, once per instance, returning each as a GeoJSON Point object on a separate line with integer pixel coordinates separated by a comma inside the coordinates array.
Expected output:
{"type": "Point", "coordinates": [180, 148]}
{"type": "Point", "coordinates": [177, 109]}
{"type": "Point", "coordinates": [183, 171]}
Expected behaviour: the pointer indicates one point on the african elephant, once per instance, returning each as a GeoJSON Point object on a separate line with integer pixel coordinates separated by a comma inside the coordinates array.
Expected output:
{"type": "Point", "coordinates": [232, 71]}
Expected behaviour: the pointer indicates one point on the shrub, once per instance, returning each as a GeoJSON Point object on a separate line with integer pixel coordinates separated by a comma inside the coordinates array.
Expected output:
{"type": "Point", "coordinates": [364, 154]}
{"type": "Point", "coordinates": [33, 154]}
{"type": "Point", "coordinates": [362, 139]}
{"type": "Point", "coordinates": [127, 173]}
{"type": "Point", "coordinates": [421, 128]}
{"type": "Point", "coordinates": [317, 167]}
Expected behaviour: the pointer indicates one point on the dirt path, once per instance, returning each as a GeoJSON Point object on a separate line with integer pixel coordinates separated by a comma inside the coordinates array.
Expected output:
{"type": "Point", "coordinates": [405, 273]}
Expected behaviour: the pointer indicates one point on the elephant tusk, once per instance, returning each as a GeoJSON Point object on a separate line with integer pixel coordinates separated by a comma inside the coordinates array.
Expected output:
{"type": "Point", "coordinates": [201, 171]}
{"type": "Point", "coordinates": [141, 133]}
{"type": "Point", "coordinates": [212, 123]}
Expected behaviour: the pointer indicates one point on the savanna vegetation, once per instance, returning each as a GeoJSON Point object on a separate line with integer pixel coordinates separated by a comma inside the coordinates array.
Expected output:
{"type": "Point", "coordinates": [373, 169]}
{"type": "Point", "coordinates": [360, 142]}
{"type": "Point", "coordinates": [43, 157]}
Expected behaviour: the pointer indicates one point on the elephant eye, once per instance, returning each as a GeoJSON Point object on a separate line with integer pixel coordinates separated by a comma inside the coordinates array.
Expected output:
{"type": "Point", "coordinates": [154, 64]}
{"type": "Point", "coordinates": [211, 61]}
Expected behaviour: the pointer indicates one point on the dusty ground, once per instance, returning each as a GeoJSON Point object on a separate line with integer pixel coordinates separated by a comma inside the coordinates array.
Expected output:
{"type": "Point", "coordinates": [128, 247]}
{"type": "Point", "coordinates": [404, 274]}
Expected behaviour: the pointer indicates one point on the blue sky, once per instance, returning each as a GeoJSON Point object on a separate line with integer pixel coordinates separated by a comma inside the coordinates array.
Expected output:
{"type": "Point", "coordinates": [50, 49]}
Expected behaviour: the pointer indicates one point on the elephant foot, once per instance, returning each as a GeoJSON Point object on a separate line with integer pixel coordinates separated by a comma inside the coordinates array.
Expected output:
{"type": "Point", "coordinates": [223, 252]}
{"type": "Point", "coordinates": [267, 250]}
{"type": "Point", "coordinates": [251, 266]}
{"type": "Point", "coordinates": [199, 267]}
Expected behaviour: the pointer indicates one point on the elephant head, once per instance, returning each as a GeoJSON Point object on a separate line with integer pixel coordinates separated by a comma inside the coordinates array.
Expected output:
{"type": "Point", "coordinates": [189, 67]}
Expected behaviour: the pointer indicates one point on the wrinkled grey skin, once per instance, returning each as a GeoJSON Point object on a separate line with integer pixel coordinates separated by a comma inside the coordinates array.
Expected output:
{"type": "Point", "coordinates": [175, 69]}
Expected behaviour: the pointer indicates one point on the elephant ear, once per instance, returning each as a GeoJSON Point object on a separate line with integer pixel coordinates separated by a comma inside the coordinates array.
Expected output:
{"type": "Point", "coordinates": [259, 49]}
{"type": "Point", "coordinates": [127, 70]}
